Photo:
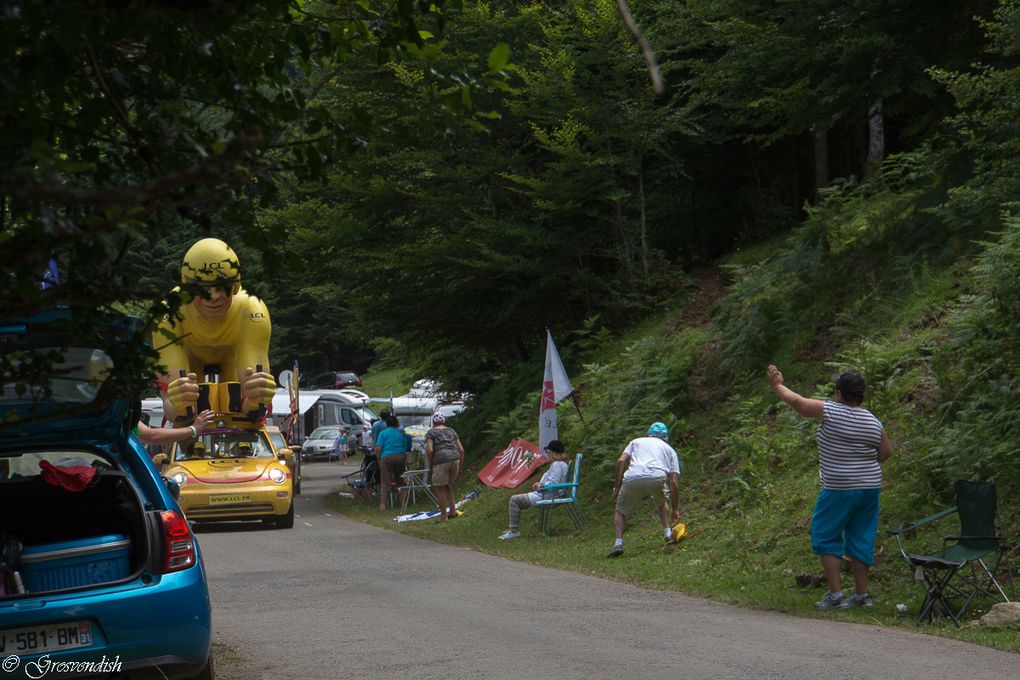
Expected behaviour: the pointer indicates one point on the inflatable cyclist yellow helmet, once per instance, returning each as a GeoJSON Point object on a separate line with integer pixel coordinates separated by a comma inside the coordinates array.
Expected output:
{"type": "Point", "coordinates": [211, 261]}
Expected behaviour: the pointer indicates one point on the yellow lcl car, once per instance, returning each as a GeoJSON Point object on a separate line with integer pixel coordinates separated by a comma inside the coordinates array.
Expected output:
{"type": "Point", "coordinates": [232, 474]}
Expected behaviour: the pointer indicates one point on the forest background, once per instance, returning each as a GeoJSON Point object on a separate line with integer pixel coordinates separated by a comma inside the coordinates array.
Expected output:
{"type": "Point", "coordinates": [431, 185]}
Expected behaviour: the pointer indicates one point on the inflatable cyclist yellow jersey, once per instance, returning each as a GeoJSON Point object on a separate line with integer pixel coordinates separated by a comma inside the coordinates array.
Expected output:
{"type": "Point", "coordinates": [228, 329]}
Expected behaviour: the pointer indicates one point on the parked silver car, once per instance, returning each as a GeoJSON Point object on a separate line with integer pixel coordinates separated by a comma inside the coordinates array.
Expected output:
{"type": "Point", "coordinates": [319, 444]}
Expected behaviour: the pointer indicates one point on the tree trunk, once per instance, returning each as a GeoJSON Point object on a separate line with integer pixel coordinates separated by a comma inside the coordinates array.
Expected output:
{"type": "Point", "coordinates": [876, 140]}
{"type": "Point", "coordinates": [621, 227]}
{"type": "Point", "coordinates": [821, 160]}
{"type": "Point", "coordinates": [644, 223]}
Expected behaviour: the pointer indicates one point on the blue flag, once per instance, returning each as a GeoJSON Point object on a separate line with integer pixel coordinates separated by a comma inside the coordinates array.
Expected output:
{"type": "Point", "coordinates": [51, 277]}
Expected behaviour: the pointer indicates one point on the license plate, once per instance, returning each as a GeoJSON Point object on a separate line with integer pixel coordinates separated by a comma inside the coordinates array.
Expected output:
{"type": "Point", "coordinates": [38, 639]}
{"type": "Point", "coordinates": [230, 500]}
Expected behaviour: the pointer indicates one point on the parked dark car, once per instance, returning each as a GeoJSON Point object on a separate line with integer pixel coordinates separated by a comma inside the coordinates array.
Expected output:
{"type": "Point", "coordinates": [336, 380]}
{"type": "Point", "coordinates": [96, 559]}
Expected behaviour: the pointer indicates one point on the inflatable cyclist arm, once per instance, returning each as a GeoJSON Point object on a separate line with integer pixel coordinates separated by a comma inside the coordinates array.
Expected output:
{"type": "Point", "coordinates": [179, 392]}
{"type": "Point", "coordinates": [257, 386]}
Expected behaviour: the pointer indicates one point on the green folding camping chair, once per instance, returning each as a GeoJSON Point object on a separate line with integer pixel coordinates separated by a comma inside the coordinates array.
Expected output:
{"type": "Point", "coordinates": [967, 564]}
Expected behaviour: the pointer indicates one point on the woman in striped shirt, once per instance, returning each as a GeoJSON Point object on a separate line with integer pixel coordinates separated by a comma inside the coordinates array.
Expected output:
{"type": "Point", "coordinates": [852, 444]}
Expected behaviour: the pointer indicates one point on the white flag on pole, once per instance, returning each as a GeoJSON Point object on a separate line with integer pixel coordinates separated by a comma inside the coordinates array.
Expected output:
{"type": "Point", "coordinates": [555, 388]}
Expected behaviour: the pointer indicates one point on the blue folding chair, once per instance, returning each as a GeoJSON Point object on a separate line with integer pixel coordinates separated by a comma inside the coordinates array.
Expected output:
{"type": "Point", "coordinates": [567, 500]}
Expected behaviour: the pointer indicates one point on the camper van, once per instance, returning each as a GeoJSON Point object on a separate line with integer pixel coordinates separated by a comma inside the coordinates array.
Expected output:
{"type": "Point", "coordinates": [411, 411]}
{"type": "Point", "coordinates": [320, 408]}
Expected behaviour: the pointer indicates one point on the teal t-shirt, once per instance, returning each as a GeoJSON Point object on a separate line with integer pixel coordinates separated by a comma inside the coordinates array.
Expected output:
{"type": "Point", "coordinates": [377, 429]}
{"type": "Point", "coordinates": [391, 440]}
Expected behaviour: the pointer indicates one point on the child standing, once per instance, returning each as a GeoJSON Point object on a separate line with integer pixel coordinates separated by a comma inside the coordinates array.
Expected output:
{"type": "Point", "coordinates": [340, 446]}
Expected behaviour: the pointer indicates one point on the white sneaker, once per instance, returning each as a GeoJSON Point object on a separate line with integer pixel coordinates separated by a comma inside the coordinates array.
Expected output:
{"type": "Point", "coordinates": [509, 534]}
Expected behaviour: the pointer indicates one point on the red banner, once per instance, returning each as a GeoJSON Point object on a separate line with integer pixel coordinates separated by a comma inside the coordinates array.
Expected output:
{"type": "Point", "coordinates": [513, 465]}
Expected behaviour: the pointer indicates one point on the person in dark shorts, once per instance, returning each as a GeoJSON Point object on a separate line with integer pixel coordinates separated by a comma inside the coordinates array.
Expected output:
{"type": "Point", "coordinates": [445, 458]}
{"type": "Point", "coordinates": [391, 450]}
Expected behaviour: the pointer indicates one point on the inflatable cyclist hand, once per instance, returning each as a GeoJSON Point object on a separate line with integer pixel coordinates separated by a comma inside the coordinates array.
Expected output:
{"type": "Point", "coordinates": [182, 393]}
{"type": "Point", "coordinates": [257, 387]}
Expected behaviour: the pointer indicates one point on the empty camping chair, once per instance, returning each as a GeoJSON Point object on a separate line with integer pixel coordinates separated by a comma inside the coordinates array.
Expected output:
{"type": "Point", "coordinates": [966, 565]}
{"type": "Point", "coordinates": [415, 482]}
{"type": "Point", "coordinates": [567, 500]}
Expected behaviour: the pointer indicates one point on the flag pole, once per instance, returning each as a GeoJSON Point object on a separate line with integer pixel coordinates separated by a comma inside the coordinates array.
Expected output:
{"type": "Point", "coordinates": [577, 406]}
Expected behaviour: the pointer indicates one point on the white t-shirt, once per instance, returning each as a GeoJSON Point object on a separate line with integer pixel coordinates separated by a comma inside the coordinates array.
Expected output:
{"type": "Point", "coordinates": [651, 457]}
{"type": "Point", "coordinates": [556, 474]}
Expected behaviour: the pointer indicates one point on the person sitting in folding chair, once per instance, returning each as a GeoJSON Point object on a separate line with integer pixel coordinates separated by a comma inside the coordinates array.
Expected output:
{"type": "Point", "coordinates": [556, 474]}
{"type": "Point", "coordinates": [852, 445]}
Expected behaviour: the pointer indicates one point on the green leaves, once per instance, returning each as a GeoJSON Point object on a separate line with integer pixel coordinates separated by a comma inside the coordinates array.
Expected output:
{"type": "Point", "coordinates": [499, 58]}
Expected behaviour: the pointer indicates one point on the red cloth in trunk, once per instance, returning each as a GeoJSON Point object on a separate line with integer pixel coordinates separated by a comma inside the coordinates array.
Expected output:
{"type": "Point", "coordinates": [73, 478]}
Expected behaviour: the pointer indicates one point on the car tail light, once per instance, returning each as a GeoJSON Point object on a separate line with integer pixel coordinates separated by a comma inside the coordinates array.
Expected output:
{"type": "Point", "coordinates": [178, 542]}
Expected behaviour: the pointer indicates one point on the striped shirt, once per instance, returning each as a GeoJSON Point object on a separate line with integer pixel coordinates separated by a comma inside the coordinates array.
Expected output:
{"type": "Point", "coordinates": [848, 442]}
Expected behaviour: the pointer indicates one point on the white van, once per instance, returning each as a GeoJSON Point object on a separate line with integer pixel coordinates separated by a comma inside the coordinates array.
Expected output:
{"type": "Point", "coordinates": [326, 408]}
{"type": "Point", "coordinates": [414, 410]}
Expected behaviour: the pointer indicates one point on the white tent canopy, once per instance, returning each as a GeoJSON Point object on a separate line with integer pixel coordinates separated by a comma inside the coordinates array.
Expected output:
{"type": "Point", "coordinates": [281, 402]}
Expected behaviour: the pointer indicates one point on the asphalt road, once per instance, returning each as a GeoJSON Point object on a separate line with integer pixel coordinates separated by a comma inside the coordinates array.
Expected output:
{"type": "Point", "coordinates": [332, 598]}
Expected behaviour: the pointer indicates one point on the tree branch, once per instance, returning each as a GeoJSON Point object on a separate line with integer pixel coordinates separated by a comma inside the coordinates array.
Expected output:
{"type": "Point", "coordinates": [646, 49]}
{"type": "Point", "coordinates": [212, 169]}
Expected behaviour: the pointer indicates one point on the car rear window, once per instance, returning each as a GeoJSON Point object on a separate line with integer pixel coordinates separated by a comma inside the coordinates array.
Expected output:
{"type": "Point", "coordinates": [23, 465]}
{"type": "Point", "coordinates": [77, 374]}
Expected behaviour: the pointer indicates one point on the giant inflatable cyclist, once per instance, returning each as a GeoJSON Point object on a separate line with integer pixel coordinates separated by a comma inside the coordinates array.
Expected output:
{"type": "Point", "coordinates": [222, 327]}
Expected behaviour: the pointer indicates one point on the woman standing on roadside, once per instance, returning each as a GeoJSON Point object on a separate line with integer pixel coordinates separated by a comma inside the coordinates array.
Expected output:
{"type": "Point", "coordinates": [445, 458]}
{"type": "Point", "coordinates": [852, 445]}
{"type": "Point", "coordinates": [391, 450]}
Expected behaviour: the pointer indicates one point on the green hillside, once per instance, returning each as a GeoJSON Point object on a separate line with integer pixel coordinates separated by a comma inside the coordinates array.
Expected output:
{"type": "Point", "coordinates": [933, 336]}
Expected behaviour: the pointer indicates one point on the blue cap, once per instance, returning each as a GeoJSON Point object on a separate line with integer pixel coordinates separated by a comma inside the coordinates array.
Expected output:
{"type": "Point", "coordinates": [658, 430]}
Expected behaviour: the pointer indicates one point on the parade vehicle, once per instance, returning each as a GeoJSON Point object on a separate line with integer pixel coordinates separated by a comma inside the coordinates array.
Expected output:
{"type": "Point", "coordinates": [293, 459]}
{"type": "Point", "coordinates": [231, 473]}
{"type": "Point", "coordinates": [97, 561]}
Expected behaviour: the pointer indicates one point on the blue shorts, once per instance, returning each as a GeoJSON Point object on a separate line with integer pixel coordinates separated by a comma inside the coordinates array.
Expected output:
{"type": "Point", "coordinates": [845, 523]}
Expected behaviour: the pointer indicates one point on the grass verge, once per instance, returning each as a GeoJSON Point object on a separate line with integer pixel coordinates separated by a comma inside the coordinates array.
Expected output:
{"type": "Point", "coordinates": [713, 562]}
{"type": "Point", "coordinates": [230, 665]}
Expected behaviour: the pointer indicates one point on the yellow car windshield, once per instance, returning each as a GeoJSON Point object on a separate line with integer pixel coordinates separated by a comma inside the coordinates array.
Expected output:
{"type": "Point", "coordinates": [233, 444]}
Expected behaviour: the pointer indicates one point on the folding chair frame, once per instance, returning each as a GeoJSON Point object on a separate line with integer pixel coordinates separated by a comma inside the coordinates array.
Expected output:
{"type": "Point", "coordinates": [357, 482]}
{"type": "Point", "coordinates": [416, 481]}
{"type": "Point", "coordinates": [547, 505]}
{"type": "Point", "coordinates": [937, 575]}
{"type": "Point", "coordinates": [939, 569]}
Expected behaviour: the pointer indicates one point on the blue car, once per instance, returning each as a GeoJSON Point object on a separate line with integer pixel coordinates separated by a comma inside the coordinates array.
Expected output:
{"type": "Point", "coordinates": [99, 570]}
